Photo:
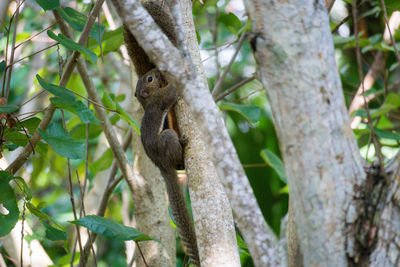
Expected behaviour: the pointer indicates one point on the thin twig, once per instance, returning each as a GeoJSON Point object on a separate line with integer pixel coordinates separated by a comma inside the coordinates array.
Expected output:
{"type": "Point", "coordinates": [22, 232]}
{"type": "Point", "coordinates": [33, 97]}
{"type": "Point", "coordinates": [84, 214]}
{"type": "Point", "coordinates": [255, 165]}
{"type": "Point", "coordinates": [247, 96]}
{"type": "Point", "coordinates": [234, 88]}
{"type": "Point", "coordinates": [361, 76]}
{"type": "Point", "coordinates": [115, 182]}
{"type": "Point", "coordinates": [71, 191]}
{"type": "Point", "coordinates": [218, 84]}
{"type": "Point", "coordinates": [33, 36]}
{"type": "Point", "coordinates": [9, 72]}
{"type": "Point", "coordinates": [106, 194]}
{"type": "Point", "coordinates": [390, 31]}
{"type": "Point", "coordinates": [341, 23]}
{"type": "Point", "coordinates": [215, 43]}
{"type": "Point", "coordinates": [141, 253]}
{"type": "Point", "coordinates": [35, 53]}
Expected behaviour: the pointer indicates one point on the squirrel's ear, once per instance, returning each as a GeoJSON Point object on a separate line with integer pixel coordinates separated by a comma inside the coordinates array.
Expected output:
{"type": "Point", "coordinates": [144, 93]}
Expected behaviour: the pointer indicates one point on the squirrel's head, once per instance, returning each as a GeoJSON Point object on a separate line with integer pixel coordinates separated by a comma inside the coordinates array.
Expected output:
{"type": "Point", "coordinates": [148, 84]}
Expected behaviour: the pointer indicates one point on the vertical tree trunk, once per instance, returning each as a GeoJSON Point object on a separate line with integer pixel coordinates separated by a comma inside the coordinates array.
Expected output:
{"type": "Point", "coordinates": [295, 56]}
{"type": "Point", "coordinates": [212, 213]}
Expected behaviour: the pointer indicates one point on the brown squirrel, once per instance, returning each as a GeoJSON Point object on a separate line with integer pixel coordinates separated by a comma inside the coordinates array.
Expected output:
{"type": "Point", "coordinates": [161, 143]}
{"type": "Point", "coordinates": [163, 18]}
{"type": "Point", "coordinates": [165, 149]}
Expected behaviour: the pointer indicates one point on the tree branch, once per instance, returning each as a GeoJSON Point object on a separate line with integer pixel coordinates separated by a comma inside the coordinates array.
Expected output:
{"type": "Point", "coordinates": [260, 239]}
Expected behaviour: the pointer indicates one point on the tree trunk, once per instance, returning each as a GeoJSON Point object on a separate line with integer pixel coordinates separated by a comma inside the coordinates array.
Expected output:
{"type": "Point", "coordinates": [329, 188]}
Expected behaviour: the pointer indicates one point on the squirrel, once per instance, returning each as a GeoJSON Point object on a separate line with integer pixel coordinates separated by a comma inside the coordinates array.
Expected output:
{"type": "Point", "coordinates": [165, 149]}
{"type": "Point", "coordinates": [159, 131]}
{"type": "Point", "coordinates": [163, 18]}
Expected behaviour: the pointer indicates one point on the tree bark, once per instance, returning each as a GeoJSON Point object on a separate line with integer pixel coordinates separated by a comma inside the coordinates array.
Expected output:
{"type": "Point", "coordinates": [212, 213]}
{"type": "Point", "coordinates": [261, 241]}
{"type": "Point", "coordinates": [295, 56]}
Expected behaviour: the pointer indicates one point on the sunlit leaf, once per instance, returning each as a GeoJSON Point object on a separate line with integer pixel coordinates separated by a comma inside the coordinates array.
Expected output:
{"type": "Point", "coordinates": [102, 163]}
{"type": "Point", "coordinates": [108, 102]}
{"type": "Point", "coordinates": [66, 260]}
{"type": "Point", "coordinates": [23, 186]}
{"type": "Point", "coordinates": [62, 143]}
{"type": "Point", "coordinates": [110, 229]}
{"type": "Point", "coordinates": [275, 162]}
{"type": "Point", "coordinates": [71, 45]}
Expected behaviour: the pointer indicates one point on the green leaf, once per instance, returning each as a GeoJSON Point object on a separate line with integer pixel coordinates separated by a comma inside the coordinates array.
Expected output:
{"type": "Point", "coordinates": [24, 187]}
{"type": "Point", "coordinates": [9, 202]}
{"type": "Point", "coordinates": [48, 4]}
{"type": "Point", "coordinates": [127, 118]}
{"type": "Point", "coordinates": [276, 163]}
{"type": "Point", "coordinates": [250, 113]}
{"type": "Point", "coordinates": [108, 102]}
{"type": "Point", "coordinates": [387, 134]}
{"type": "Point", "coordinates": [29, 124]}
{"type": "Point", "coordinates": [67, 100]}
{"type": "Point", "coordinates": [37, 212]}
{"type": "Point", "coordinates": [8, 108]}
{"type": "Point", "coordinates": [62, 143]}
{"type": "Point", "coordinates": [17, 138]}
{"type": "Point", "coordinates": [392, 102]}
{"type": "Point", "coordinates": [78, 107]}
{"type": "Point", "coordinates": [3, 66]}
{"type": "Point", "coordinates": [111, 41]}
{"type": "Point", "coordinates": [56, 90]}
{"type": "Point", "coordinates": [78, 20]}
{"type": "Point", "coordinates": [71, 45]}
{"type": "Point", "coordinates": [54, 234]}
{"type": "Point", "coordinates": [103, 163]}
{"type": "Point", "coordinates": [79, 131]}
{"type": "Point", "coordinates": [66, 260]}
{"type": "Point", "coordinates": [110, 229]}
{"type": "Point", "coordinates": [231, 22]}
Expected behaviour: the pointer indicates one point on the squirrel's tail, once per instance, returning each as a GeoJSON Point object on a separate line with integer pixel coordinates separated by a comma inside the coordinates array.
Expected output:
{"type": "Point", "coordinates": [183, 221]}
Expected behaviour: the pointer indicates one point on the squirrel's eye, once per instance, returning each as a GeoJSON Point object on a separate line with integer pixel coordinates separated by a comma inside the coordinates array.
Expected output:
{"type": "Point", "coordinates": [150, 79]}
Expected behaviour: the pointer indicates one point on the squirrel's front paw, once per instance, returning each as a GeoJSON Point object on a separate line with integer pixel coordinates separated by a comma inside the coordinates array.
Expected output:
{"type": "Point", "coordinates": [184, 140]}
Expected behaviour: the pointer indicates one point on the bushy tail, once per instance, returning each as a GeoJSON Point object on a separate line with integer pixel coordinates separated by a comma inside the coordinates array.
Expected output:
{"type": "Point", "coordinates": [181, 215]}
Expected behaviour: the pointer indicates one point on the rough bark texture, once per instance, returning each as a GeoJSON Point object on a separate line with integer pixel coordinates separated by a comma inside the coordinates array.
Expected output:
{"type": "Point", "coordinates": [212, 213]}
{"type": "Point", "coordinates": [151, 210]}
{"type": "Point", "coordinates": [295, 55]}
{"type": "Point", "coordinates": [259, 237]}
